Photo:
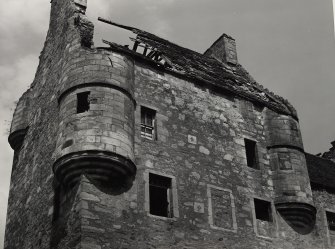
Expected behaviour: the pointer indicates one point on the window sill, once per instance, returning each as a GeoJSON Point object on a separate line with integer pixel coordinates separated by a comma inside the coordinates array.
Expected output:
{"type": "Point", "coordinates": [223, 229]}
{"type": "Point", "coordinates": [264, 237]}
{"type": "Point", "coordinates": [253, 169]}
{"type": "Point", "coordinates": [147, 139]}
{"type": "Point", "coordinates": [162, 217]}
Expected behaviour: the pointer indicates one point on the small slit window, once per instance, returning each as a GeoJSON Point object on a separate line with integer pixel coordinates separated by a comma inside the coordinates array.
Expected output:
{"type": "Point", "coordinates": [251, 153]}
{"type": "Point", "coordinates": [148, 117]}
{"type": "Point", "coordinates": [160, 196]}
{"type": "Point", "coordinates": [263, 210]}
{"type": "Point", "coordinates": [330, 220]}
{"type": "Point", "coordinates": [83, 104]}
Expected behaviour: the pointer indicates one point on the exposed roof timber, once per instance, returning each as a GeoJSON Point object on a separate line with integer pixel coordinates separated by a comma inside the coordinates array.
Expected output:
{"type": "Point", "coordinates": [135, 30]}
{"type": "Point", "coordinates": [136, 44]}
{"type": "Point", "coordinates": [155, 55]}
{"type": "Point", "coordinates": [196, 66]}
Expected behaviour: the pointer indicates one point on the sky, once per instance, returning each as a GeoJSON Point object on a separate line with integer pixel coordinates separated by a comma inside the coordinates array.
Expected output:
{"type": "Point", "coordinates": [288, 46]}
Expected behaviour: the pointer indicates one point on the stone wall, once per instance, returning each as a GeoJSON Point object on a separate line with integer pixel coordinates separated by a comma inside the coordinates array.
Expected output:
{"type": "Point", "coordinates": [202, 164]}
{"type": "Point", "coordinates": [325, 201]}
{"type": "Point", "coordinates": [31, 199]}
{"type": "Point", "coordinates": [199, 144]}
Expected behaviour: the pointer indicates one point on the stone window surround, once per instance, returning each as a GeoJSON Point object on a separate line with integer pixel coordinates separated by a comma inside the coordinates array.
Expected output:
{"type": "Point", "coordinates": [148, 127]}
{"type": "Point", "coordinates": [138, 121]}
{"type": "Point", "coordinates": [174, 195]}
{"type": "Point", "coordinates": [326, 223]}
{"type": "Point", "coordinates": [254, 220]}
{"type": "Point", "coordinates": [210, 212]}
{"type": "Point", "coordinates": [278, 160]}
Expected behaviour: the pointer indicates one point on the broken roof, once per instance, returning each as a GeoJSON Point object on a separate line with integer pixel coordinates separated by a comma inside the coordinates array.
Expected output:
{"type": "Point", "coordinates": [321, 171]}
{"type": "Point", "coordinates": [201, 68]}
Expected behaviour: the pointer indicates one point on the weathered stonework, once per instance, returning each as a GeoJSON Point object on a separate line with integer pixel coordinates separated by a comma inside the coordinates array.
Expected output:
{"type": "Point", "coordinates": [82, 176]}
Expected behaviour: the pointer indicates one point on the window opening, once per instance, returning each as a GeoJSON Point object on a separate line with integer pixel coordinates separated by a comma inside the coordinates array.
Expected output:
{"type": "Point", "coordinates": [83, 104]}
{"type": "Point", "coordinates": [251, 153]}
{"type": "Point", "coordinates": [16, 158]}
{"type": "Point", "coordinates": [148, 123]}
{"type": "Point", "coordinates": [160, 195]}
{"type": "Point", "coordinates": [331, 220]}
{"type": "Point", "coordinates": [263, 210]}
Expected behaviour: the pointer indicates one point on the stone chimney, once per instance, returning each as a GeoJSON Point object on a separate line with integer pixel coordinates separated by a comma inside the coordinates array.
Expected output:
{"type": "Point", "coordinates": [223, 50]}
{"type": "Point", "coordinates": [331, 153]}
{"type": "Point", "coordinates": [82, 4]}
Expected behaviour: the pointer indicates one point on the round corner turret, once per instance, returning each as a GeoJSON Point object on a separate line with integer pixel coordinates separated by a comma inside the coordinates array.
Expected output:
{"type": "Point", "coordinates": [293, 194]}
{"type": "Point", "coordinates": [20, 123]}
{"type": "Point", "coordinates": [96, 130]}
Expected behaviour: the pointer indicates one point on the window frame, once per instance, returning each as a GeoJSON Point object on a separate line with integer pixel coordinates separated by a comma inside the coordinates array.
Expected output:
{"type": "Point", "coordinates": [330, 237]}
{"type": "Point", "coordinates": [274, 222]}
{"type": "Point", "coordinates": [173, 193]}
{"type": "Point", "coordinates": [145, 113]}
{"type": "Point", "coordinates": [255, 160]}
{"type": "Point", "coordinates": [165, 189]}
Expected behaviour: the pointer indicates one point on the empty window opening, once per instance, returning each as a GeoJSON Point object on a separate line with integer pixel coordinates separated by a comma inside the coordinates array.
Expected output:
{"type": "Point", "coordinates": [160, 195]}
{"type": "Point", "coordinates": [83, 104]}
{"type": "Point", "coordinates": [56, 201]}
{"type": "Point", "coordinates": [263, 210]}
{"type": "Point", "coordinates": [251, 153]}
{"type": "Point", "coordinates": [16, 158]}
{"type": "Point", "coordinates": [148, 123]}
{"type": "Point", "coordinates": [331, 220]}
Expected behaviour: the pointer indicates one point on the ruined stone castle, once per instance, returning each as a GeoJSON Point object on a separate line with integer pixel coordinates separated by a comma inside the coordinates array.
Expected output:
{"type": "Point", "coordinates": [156, 146]}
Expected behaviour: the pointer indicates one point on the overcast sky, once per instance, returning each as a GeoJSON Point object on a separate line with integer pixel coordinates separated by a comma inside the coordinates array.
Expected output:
{"type": "Point", "coordinates": [286, 45]}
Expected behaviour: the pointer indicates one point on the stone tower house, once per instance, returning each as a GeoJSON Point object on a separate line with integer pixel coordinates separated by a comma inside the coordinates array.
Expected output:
{"type": "Point", "coordinates": [158, 146]}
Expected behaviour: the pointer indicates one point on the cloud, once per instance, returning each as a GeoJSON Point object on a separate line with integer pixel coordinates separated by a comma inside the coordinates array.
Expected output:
{"type": "Point", "coordinates": [23, 25]}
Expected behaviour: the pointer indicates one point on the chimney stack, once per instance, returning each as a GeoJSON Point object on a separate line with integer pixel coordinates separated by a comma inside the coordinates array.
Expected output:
{"type": "Point", "coordinates": [331, 153]}
{"type": "Point", "coordinates": [223, 50]}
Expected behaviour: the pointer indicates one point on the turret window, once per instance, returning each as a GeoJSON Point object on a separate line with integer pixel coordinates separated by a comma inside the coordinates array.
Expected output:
{"type": "Point", "coordinates": [148, 117]}
{"type": "Point", "coordinates": [83, 104]}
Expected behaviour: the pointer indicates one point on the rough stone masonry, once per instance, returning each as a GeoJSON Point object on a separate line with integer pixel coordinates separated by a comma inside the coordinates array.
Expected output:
{"type": "Point", "coordinates": [158, 146]}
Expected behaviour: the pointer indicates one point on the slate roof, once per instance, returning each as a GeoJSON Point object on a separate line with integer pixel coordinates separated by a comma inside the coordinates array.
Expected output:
{"type": "Point", "coordinates": [321, 171]}
{"type": "Point", "coordinates": [201, 68]}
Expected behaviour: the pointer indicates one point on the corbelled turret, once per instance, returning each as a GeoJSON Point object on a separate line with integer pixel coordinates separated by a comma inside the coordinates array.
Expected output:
{"type": "Point", "coordinates": [293, 194]}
